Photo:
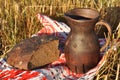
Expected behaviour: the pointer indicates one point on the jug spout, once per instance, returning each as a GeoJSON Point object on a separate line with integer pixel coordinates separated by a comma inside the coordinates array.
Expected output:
{"type": "Point", "coordinates": [83, 19]}
{"type": "Point", "coordinates": [82, 14]}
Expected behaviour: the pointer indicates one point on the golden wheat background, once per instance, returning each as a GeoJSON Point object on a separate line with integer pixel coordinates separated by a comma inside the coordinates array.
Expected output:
{"type": "Point", "coordinates": [18, 17]}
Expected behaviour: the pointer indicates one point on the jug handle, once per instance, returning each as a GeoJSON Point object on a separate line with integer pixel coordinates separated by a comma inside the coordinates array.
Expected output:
{"type": "Point", "coordinates": [105, 24]}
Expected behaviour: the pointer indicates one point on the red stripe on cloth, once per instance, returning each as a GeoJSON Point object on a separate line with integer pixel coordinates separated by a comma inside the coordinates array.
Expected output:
{"type": "Point", "coordinates": [3, 73]}
{"type": "Point", "coordinates": [47, 26]}
{"type": "Point", "coordinates": [44, 78]}
{"type": "Point", "coordinates": [28, 75]}
{"type": "Point", "coordinates": [14, 74]}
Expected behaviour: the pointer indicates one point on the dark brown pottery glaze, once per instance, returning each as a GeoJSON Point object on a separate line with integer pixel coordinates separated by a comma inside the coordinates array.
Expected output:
{"type": "Point", "coordinates": [82, 49]}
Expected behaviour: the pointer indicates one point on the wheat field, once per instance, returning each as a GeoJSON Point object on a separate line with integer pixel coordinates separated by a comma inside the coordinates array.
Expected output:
{"type": "Point", "coordinates": [18, 17]}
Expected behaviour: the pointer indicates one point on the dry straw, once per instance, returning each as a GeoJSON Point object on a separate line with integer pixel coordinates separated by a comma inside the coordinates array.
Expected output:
{"type": "Point", "coordinates": [110, 69]}
{"type": "Point", "coordinates": [18, 21]}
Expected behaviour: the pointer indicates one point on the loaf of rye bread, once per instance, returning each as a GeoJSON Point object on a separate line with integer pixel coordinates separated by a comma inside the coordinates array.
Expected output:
{"type": "Point", "coordinates": [34, 52]}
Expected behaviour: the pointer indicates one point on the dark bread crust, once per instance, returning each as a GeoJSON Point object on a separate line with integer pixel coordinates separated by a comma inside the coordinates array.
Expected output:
{"type": "Point", "coordinates": [34, 52]}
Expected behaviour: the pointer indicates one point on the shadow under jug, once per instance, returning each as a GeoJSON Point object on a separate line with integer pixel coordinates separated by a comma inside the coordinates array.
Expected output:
{"type": "Point", "coordinates": [82, 48]}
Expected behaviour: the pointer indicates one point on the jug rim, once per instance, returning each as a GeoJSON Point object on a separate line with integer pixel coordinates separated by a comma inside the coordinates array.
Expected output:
{"type": "Point", "coordinates": [82, 12]}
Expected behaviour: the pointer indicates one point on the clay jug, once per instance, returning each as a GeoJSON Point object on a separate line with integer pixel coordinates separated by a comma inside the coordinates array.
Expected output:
{"type": "Point", "coordinates": [82, 48]}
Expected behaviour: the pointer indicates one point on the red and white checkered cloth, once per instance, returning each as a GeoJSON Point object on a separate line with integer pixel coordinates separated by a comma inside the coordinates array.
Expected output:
{"type": "Point", "coordinates": [56, 70]}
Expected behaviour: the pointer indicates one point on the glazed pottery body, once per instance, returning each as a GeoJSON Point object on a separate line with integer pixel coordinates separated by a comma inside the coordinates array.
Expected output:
{"type": "Point", "coordinates": [82, 49]}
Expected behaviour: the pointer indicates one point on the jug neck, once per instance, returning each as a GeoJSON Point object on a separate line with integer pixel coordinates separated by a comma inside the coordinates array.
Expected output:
{"type": "Point", "coordinates": [82, 19]}
{"type": "Point", "coordinates": [81, 26]}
